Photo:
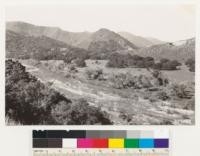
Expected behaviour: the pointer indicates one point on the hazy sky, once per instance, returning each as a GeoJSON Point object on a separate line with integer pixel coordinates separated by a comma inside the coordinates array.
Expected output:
{"type": "Point", "coordinates": [165, 22]}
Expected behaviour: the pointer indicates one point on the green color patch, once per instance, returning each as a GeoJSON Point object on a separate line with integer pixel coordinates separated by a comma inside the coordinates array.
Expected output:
{"type": "Point", "coordinates": [131, 143]}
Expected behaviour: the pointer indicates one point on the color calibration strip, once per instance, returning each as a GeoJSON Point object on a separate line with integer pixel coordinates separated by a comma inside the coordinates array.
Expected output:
{"type": "Point", "coordinates": [149, 143]}
{"type": "Point", "coordinates": [100, 143]}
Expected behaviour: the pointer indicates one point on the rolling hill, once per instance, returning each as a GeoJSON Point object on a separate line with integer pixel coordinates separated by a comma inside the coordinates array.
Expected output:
{"type": "Point", "coordinates": [78, 39]}
{"type": "Point", "coordinates": [180, 50]}
{"type": "Point", "coordinates": [40, 47]}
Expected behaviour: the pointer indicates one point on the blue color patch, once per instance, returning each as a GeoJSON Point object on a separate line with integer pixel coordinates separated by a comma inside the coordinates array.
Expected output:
{"type": "Point", "coordinates": [146, 143]}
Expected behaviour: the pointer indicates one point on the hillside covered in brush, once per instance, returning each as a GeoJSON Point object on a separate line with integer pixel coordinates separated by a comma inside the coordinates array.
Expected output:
{"type": "Point", "coordinates": [29, 102]}
{"type": "Point", "coordinates": [181, 50]}
{"type": "Point", "coordinates": [24, 40]}
{"type": "Point", "coordinates": [42, 48]}
{"type": "Point", "coordinates": [102, 40]}
{"type": "Point", "coordinates": [77, 39]}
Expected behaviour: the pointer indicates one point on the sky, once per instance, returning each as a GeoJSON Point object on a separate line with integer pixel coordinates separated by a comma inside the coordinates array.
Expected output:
{"type": "Point", "coordinates": [171, 22]}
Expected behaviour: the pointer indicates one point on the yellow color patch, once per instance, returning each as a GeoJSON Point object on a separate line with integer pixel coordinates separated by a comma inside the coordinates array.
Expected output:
{"type": "Point", "coordinates": [116, 143]}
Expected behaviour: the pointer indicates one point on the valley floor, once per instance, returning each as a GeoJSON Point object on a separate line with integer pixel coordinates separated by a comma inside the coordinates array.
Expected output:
{"type": "Point", "coordinates": [125, 106]}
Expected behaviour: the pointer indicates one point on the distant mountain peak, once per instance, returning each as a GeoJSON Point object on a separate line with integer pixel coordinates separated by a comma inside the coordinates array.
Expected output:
{"type": "Point", "coordinates": [107, 41]}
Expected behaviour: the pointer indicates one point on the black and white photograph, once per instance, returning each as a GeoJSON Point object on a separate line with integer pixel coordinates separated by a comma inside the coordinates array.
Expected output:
{"type": "Point", "coordinates": [100, 64]}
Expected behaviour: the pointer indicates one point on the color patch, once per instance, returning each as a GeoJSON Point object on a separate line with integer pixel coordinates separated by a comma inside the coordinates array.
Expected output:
{"type": "Point", "coordinates": [146, 143]}
{"type": "Point", "coordinates": [146, 134]}
{"type": "Point", "coordinates": [119, 134]}
{"type": "Point", "coordinates": [39, 134]}
{"type": "Point", "coordinates": [69, 143]}
{"type": "Point", "coordinates": [84, 143]}
{"type": "Point", "coordinates": [161, 143]}
{"type": "Point", "coordinates": [133, 134]}
{"type": "Point", "coordinates": [55, 143]}
{"type": "Point", "coordinates": [100, 143]}
{"type": "Point", "coordinates": [106, 134]}
{"type": "Point", "coordinates": [131, 143]}
{"type": "Point", "coordinates": [93, 134]}
{"type": "Point", "coordinates": [40, 143]}
{"type": "Point", "coordinates": [116, 143]}
{"type": "Point", "coordinates": [160, 134]}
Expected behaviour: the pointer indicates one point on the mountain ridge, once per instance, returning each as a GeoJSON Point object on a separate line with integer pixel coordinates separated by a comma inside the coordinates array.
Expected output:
{"type": "Point", "coordinates": [99, 44]}
{"type": "Point", "coordinates": [77, 39]}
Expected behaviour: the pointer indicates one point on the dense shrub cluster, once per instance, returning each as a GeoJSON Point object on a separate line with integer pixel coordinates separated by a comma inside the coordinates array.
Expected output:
{"type": "Point", "coordinates": [79, 113]}
{"type": "Point", "coordinates": [28, 101]}
{"type": "Point", "coordinates": [127, 80]}
{"type": "Point", "coordinates": [166, 64]}
{"type": "Point", "coordinates": [122, 61]}
{"type": "Point", "coordinates": [191, 64]}
{"type": "Point", "coordinates": [76, 54]}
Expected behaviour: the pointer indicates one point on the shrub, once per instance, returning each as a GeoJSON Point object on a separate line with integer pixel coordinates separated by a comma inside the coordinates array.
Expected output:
{"type": "Point", "coordinates": [166, 64]}
{"type": "Point", "coordinates": [149, 62]}
{"type": "Point", "coordinates": [166, 122]}
{"type": "Point", "coordinates": [122, 80]}
{"type": "Point", "coordinates": [95, 74]}
{"type": "Point", "coordinates": [190, 104]}
{"type": "Point", "coordinates": [185, 91]}
{"type": "Point", "coordinates": [117, 61]}
{"type": "Point", "coordinates": [191, 64]}
{"type": "Point", "coordinates": [70, 71]}
{"type": "Point", "coordinates": [160, 78]}
{"type": "Point", "coordinates": [79, 113]}
{"type": "Point", "coordinates": [80, 62]}
{"type": "Point", "coordinates": [163, 60]}
{"type": "Point", "coordinates": [125, 116]}
{"type": "Point", "coordinates": [163, 95]}
{"type": "Point", "coordinates": [76, 54]}
{"type": "Point", "coordinates": [144, 81]}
